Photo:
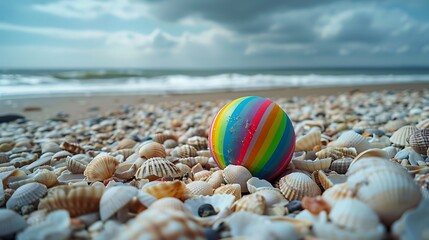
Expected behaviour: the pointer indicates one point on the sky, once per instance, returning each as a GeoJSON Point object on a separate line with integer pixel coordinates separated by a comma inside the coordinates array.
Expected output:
{"type": "Point", "coordinates": [207, 34]}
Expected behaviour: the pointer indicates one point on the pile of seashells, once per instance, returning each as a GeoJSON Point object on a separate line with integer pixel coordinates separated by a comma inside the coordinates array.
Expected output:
{"type": "Point", "coordinates": [360, 171]}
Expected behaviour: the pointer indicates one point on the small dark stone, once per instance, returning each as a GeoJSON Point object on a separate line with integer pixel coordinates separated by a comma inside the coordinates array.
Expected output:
{"type": "Point", "coordinates": [206, 210]}
{"type": "Point", "coordinates": [10, 118]}
{"type": "Point", "coordinates": [294, 205]}
{"type": "Point", "coordinates": [211, 234]}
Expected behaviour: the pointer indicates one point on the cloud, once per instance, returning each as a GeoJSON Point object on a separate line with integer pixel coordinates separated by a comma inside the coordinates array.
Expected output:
{"type": "Point", "coordinates": [91, 9]}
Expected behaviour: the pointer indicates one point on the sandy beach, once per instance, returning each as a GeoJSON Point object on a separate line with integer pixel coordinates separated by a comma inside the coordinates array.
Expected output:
{"type": "Point", "coordinates": [83, 106]}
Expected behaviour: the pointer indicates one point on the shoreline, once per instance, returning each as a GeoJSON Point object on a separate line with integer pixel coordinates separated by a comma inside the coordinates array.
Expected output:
{"type": "Point", "coordinates": [88, 105]}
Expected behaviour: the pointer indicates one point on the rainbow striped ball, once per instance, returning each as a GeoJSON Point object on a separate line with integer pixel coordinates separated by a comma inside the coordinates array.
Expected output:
{"type": "Point", "coordinates": [253, 132]}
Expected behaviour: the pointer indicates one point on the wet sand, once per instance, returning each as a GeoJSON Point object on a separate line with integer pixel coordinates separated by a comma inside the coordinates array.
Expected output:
{"type": "Point", "coordinates": [83, 106]}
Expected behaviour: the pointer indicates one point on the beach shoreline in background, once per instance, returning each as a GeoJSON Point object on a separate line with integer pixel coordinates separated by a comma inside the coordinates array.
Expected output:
{"type": "Point", "coordinates": [80, 106]}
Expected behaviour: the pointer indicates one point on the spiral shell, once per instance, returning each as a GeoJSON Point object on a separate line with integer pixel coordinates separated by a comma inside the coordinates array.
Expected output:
{"type": "Point", "coordinates": [184, 151]}
{"type": "Point", "coordinates": [341, 165]}
{"type": "Point", "coordinates": [101, 168]}
{"type": "Point", "coordinates": [77, 164]}
{"type": "Point", "coordinates": [296, 185]}
{"type": "Point", "coordinates": [77, 200]}
{"type": "Point", "coordinates": [72, 148]}
{"type": "Point", "coordinates": [419, 141]}
{"type": "Point", "coordinates": [336, 153]}
{"type": "Point", "coordinates": [46, 177]}
{"type": "Point", "coordinates": [155, 168]}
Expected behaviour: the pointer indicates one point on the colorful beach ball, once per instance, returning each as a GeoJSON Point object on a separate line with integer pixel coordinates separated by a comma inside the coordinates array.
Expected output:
{"type": "Point", "coordinates": [253, 132]}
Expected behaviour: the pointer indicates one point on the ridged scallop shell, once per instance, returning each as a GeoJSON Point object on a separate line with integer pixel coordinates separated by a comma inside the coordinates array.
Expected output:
{"type": "Point", "coordinates": [174, 189]}
{"type": "Point", "coordinates": [169, 203]}
{"type": "Point", "coordinates": [162, 137]}
{"type": "Point", "coordinates": [126, 143]}
{"type": "Point", "coordinates": [237, 174]}
{"type": "Point", "coordinates": [394, 125]}
{"type": "Point", "coordinates": [216, 179]}
{"type": "Point", "coordinates": [192, 161]}
{"type": "Point", "coordinates": [254, 184]}
{"type": "Point", "coordinates": [72, 148]}
{"type": "Point", "coordinates": [25, 195]}
{"type": "Point", "coordinates": [162, 224]}
{"type": "Point", "coordinates": [77, 200]}
{"type": "Point", "coordinates": [423, 124]}
{"type": "Point", "coordinates": [101, 168]}
{"type": "Point", "coordinates": [114, 199]}
{"type": "Point", "coordinates": [146, 199]}
{"type": "Point", "coordinates": [157, 167]}
{"type": "Point", "coordinates": [77, 164]}
{"type": "Point", "coordinates": [46, 177]}
{"type": "Point", "coordinates": [337, 193]}
{"type": "Point", "coordinates": [336, 153]}
{"type": "Point", "coordinates": [10, 222]}
{"type": "Point", "coordinates": [308, 141]}
{"type": "Point", "coordinates": [184, 151]}
{"type": "Point", "coordinates": [352, 139]}
{"type": "Point", "coordinates": [222, 204]}
{"type": "Point", "coordinates": [384, 186]}
{"type": "Point", "coordinates": [400, 137]}
{"type": "Point", "coordinates": [197, 188]}
{"type": "Point", "coordinates": [373, 152]}
{"type": "Point", "coordinates": [199, 143]}
{"type": "Point", "coordinates": [202, 175]}
{"type": "Point", "coordinates": [312, 165]}
{"type": "Point", "coordinates": [296, 185]}
{"type": "Point", "coordinates": [351, 219]}
{"type": "Point", "coordinates": [151, 150]}
{"type": "Point", "coordinates": [341, 165]}
{"type": "Point", "coordinates": [233, 189]}
{"type": "Point", "coordinates": [254, 203]}
{"type": "Point", "coordinates": [419, 141]}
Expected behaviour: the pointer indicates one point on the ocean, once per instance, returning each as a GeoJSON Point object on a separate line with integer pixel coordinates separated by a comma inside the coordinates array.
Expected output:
{"type": "Point", "coordinates": [28, 83]}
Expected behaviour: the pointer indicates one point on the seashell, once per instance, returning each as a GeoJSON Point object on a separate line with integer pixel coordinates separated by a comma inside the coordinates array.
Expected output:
{"type": "Point", "coordinates": [184, 169]}
{"type": "Point", "coordinates": [419, 141]}
{"type": "Point", "coordinates": [50, 147]}
{"type": "Point", "coordinates": [423, 124]}
{"type": "Point", "coordinates": [45, 230]}
{"type": "Point", "coordinates": [390, 151]}
{"type": "Point", "coordinates": [312, 165]}
{"type": "Point", "coordinates": [37, 217]}
{"type": "Point", "coordinates": [101, 168]}
{"type": "Point", "coordinates": [309, 141]}
{"type": "Point", "coordinates": [328, 180]}
{"type": "Point", "coordinates": [126, 152]}
{"type": "Point", "coordinates": [146, 199]}
{"type": "Point", "coordinates": [198, 188]}
{"type": "Point", "coordinates": [296, 185]}
{"type": "Point", "coordinates": [192, 161]}
{"type": "Point", "coordinates": [337, 193]}
{"type": "Point", "coordinates": [216, 179]}
{"type": "Point", "coordinates": [336, 153]}
{"type": "Point", "coordinates": [170, 143]}
{"type": "Point", "coordinates": [384, 186]}
{"type": "Point", "coordinates": [114, 199]}
{"type": "Point", "coordinates": [199, 143]}
{"type": "Point", "coordinates": [253, 203]}
{"type": "Point", "coordinates": [222, 204]}
{"type": "Point", "coordinates": [351, 219]}
{"type": "Point", "coordinates": [394, 125]}
{"type": "Point", "coordinates": [162, 224]}
{"type": "Point", "coordinates": [184, 151]}
{"type": "Point", "coordinates": [351, 139]}
{"type": "Point", "coordinates": [159, 190]}
{"type": "Point", "coordinates": [204, 153]}
{"type": "Point", "coordinates": [70, 178]}
{"type": "Point", "coordinates": [169, 203]}
{"type": "Point", "coordinates": [16, 182]}
{"type": "Point", "coordinates": [379, 142]}
{"type": "Point", "coordinates": [43, 160]}
{"type": "Point", "coordinates": [272, 196]}
{"type": "Point", "coordinates": [237, 174]}
{"type": "Point", "coordinates": [155, 168]}
{"type": "Point", "coordinates": [10, 222]}
{"type": "Point", "coordinates": [46, 177]}
{"type": "Point", "coordinates": [77, 164]}
{"type": "Point", "coordinates": [126, 143]}
{"type": "Point", "coordinates": [373, 152]}
{"type": "Point", "coordinates": [400, 137]}
{"type": "Point", "coordinates": [77, 200]}
{"type": "Point", "coordinates": [255, 184]}
{"type": "Point", "coordinates": [151, 150]}
{"type": "Point", "coordinates": [125, 170]}
{"type": "Point", "coordinates": [341, 165]}
{"type": "Point", "coordinates": [233, 189]}
{"type": "Point", "coordinates": [162, 137]}
{"type": "Point", "coordinates": [202, 175]}
{"type": "Point", "coordinates": [73, 148]}
{"type": "Point", "coordinates": [5, 176]}
{"type": "Point", "coordinates": [412, 224]}
{"type": "Point", "coordinates": [26, 195]}
{"type": "Point", "coordinates": [60, 155]}
{"type": "Point", "coordinates": [23, 159]}
{"type": "Point", "coordinates": [4, 158]}
{"type": "Point", "coordinates": [6, 147]}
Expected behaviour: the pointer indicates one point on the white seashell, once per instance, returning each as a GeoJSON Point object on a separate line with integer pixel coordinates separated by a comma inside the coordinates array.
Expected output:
{"type": "Point", "coordinates": [373, 152]}
{"type": "Point", "coordinates": [169, 203]}
{"type": "Point", "coordinates": [341, 165]}
{"type": "Point", "coordinates": [401, 136]}
{"type": "Point", "coordinates": [336, 153]}
{"type": "Point", "coordinates": [155, 168]}
{"type": "Point", "coordinates": [26, 195]}
{"type": "Point", "coordinates": [198, 188]}
{"type": "Point", "coordinates": [145, 198]}
{"type": "Point", "coordinates": [237, 174]}
{"type": "Point", "coordinates": [151, 150]}
{"type": "Point", "coordinates": [10, 222]}
{"type": "Point", "coordinates": [254, 184]}
{"type": "Point", "coordinates": [70, 178]}
{"type": "Point", "coordinates": [312, 165]}
{"type": "Point", "coordinates": [114, 199]}
{"type": "Point", "coordinates": [336, 193]}
{"type": "Point", "coordinates": [309, 141]}
{"type": "Point", "coordinates": [46, 230]}
{"type": "Point", "coordinates": [216, 179]}
{"type": "Point", "coordinates": [352, 139]}
{"type": "Point", "coordinates": [296, 185]}
{"type": "Point", "coordinates": [254, 203]}
{"type": "Point", "coordinates": [233, 189]}
{"type": "Point", "coordinates": [222, 204]}
{"type": "Point", "coordinates": [272, 196]}
{"type": "Point", "coordinates": [390, 151]}
{"type": "Point", "coordinates": [412, 224]}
